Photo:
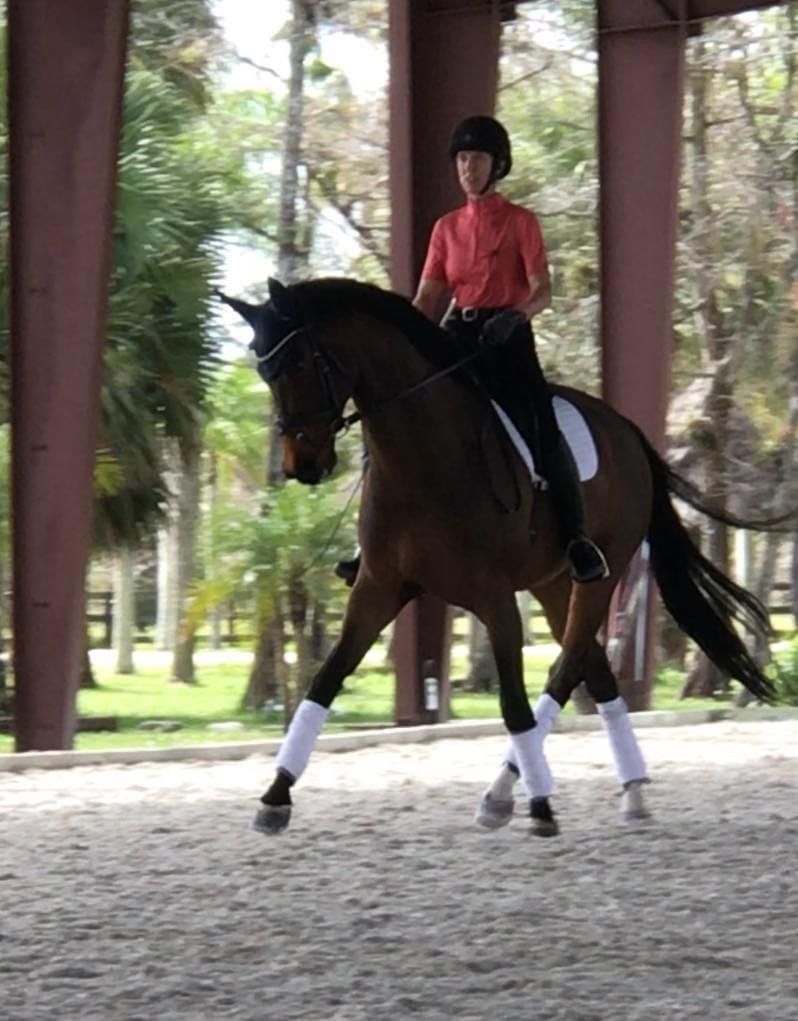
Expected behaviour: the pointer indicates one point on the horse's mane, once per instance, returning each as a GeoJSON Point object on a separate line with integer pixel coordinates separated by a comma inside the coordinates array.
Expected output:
{"type": "Point", "coordinates": [334, 297]}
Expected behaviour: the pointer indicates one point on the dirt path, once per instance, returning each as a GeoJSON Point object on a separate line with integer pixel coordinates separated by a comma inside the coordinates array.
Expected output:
{"type": "Point", "coordinates": [141, 893]}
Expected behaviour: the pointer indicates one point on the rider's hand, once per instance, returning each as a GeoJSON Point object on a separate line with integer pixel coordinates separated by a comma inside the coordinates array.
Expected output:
{"type": "Point", "coordinates": [499, 328]}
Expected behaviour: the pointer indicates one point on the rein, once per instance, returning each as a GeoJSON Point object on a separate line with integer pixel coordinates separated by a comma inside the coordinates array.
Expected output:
{"type": "Point", "coordinates": [350, 420]}
{"type": "Point", "coordinates": [322, 361]}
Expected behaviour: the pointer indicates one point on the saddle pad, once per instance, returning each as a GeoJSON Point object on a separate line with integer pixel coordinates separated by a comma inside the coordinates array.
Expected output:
{"type": "Point", "coordinates": [573, 427]}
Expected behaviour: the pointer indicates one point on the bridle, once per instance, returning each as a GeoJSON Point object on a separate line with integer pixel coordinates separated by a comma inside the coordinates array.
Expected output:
{"type": "Point", "coordinates": [323, 364]}
{"type": "Point", "coordinates": [332, 412]}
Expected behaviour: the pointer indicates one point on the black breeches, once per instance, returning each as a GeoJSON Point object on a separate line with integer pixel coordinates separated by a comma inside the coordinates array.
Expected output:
{"type": "Point", "coordinates": [512, 376]}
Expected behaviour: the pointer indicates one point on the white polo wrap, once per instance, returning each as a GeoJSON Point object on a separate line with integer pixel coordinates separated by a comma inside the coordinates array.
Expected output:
{"type": "Point", "coordinates": [298, 743]}
{"type": "Point", "coordinates": [629, 761]}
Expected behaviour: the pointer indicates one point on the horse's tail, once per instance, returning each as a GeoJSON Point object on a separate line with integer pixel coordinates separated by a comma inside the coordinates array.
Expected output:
{"type": "Point", "coordinates": [699, 597]}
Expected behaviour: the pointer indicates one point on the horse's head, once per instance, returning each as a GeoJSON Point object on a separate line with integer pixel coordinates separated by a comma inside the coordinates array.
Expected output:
{"type": "Point", "coordinates": [305, 380]}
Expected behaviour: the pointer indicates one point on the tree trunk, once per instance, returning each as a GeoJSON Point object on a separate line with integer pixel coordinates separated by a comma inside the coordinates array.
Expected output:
{"type": "Point", "coordinates": [794, 579]}
{"type": "Point", "coordinates": [298, 609]}
{"type": "Point", "coordinates": [183, 661]}
{"type": "Point", "coordinates": [292, 256]}
{"type": "Point", "coordinates": [482, 672]}
{"type": "Point", "coordinates": [319, 638]}
{"type": "Point", "coordinates": [216, 615]}
{"type": "Point", "coordinates": [168, 560]}
{"type": "Point", "coordinates": [263, 686]}
{"type": "Point", "coordinates": [524, 600]}
{"type": "Point", "coordinates": [124, 610]}
{"type": "Point", "coordinates": [783, 502]}
{"type": "Point", "coordinates": [87, 678]}
{"type": "Point", "coordinates": [704, 678]}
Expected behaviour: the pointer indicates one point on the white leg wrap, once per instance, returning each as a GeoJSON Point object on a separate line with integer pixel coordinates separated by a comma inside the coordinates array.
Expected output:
{"type": "Point", "coordinates": [502, 787]}
{"type": "Point", "coordinates": [534, 769]}
{"type": "Point", "coordinates": [546, 711]}
{"type": "Point", "coordinates": [629, 762]}
{"type": "Point", "coordinates": [298, 743]}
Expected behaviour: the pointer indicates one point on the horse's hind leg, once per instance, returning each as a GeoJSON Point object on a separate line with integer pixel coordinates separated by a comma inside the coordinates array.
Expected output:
{"type": "Point", "coordinates": [369, 609]}
{"type": "Point", "coordinates": [630, 767]}
{"type": "Point", "coordinates": [500, 616]}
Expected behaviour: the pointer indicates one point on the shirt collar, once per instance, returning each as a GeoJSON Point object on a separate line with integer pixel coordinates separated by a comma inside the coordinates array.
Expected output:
{"type": "Point", "coordinates": [487, 205]}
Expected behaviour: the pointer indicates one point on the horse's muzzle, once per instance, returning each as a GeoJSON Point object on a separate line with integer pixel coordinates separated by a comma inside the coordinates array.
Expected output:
{"type": "Point", "coordinates": [307, 474]}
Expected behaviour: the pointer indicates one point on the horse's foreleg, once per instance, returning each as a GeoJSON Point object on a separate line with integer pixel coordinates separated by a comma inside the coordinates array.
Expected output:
{"type": "Point", "coordinates": [630, 766]}
{"type": "Point", "coordinates": [369, 609]}
{"type": "Point", "coordinates": [496, 807]}
{"type": "Point", "coordinates": [526, 732]}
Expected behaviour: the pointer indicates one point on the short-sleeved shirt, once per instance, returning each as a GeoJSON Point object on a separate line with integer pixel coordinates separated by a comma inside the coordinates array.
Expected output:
{"type": "Point", "coordinates": [485, 252]}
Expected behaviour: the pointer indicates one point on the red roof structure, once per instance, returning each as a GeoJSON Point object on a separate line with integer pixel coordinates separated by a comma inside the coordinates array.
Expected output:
{"type": "Point", "coordinates": [66, 65]}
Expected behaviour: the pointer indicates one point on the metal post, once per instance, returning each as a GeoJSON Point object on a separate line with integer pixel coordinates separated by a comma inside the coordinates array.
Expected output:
{"type": "Point", "coordinates": [444, 66]}
{"type": "Point", "coordinates": [641, 69]}
{"type": "Point", "coordinates": [66, 65]}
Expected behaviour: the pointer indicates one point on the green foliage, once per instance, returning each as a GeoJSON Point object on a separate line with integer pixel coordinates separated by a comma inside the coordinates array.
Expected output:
{"type": "Point", "coordinates": [367, 698]}
{"type": "Point", "coordinates": [178, 40]}
{"type": "Point", "coordinates": [259, 551]}
{"type": "Point", "coordinates": [547, 101]}
{"type": "Point", "coordinates": [161, 352]}
{"type": "Point", "coordinates": [236, 428]}
{"type": "Point", "coordinates": [785, 672]}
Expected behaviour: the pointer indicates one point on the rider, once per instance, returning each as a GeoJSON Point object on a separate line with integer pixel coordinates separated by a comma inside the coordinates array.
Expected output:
{"type": "Point", "coordinates": [489, 254]}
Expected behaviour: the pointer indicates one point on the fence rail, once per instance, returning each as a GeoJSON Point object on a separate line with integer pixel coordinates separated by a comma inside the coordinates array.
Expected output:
{"type": "Point", "coordinates": [236, 621]}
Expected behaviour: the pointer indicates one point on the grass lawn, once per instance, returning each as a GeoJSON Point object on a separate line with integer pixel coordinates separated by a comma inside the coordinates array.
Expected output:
{"type": "Point", "coordinates": [367, 699]}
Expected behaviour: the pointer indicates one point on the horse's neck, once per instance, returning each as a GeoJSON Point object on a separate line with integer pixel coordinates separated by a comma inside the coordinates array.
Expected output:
{"type": "Point", "coordinates": [399, 429]}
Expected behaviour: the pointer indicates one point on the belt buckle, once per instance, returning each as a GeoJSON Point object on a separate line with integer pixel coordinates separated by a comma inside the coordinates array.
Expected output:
{"type": "Point", "coordinates": [469, 314]}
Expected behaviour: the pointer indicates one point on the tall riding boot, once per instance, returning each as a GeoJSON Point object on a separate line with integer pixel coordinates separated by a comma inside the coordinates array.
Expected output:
{"type": "Point", "coordinates": [585, 559]}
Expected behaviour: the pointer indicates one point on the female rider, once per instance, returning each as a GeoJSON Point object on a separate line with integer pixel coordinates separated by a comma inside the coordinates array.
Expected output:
{"type": "Point", "coordinates": [490, 256]}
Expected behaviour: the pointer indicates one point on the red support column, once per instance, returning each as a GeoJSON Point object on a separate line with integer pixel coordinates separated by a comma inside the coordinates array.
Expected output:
{"type": "Point", "coordinates": [641, 70]}
{"type": "Point", "coordinates": [66, 67]}
{"type": "Point", "coordinates": [444, 66]}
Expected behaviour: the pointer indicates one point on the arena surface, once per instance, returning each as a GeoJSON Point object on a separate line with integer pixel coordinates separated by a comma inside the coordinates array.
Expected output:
{"type": "Point", "coordinates": [133, 893]}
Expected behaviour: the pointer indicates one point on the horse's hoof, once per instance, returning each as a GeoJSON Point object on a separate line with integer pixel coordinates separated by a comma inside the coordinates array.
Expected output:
{"type": "Point", "coordinates": [542, 820]}
{"type": "Point", "coordinates": [633, 807]}
{"type": "Point", "coordinates": [545, 827]}
{"type": "Point", "coordinates": [492, 814]}
{"type": "Point", "coordinates": [272, 819]}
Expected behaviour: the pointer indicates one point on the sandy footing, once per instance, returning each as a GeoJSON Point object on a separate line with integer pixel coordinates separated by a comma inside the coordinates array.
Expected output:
{"type": "Point", "coordinates": [133, 893]}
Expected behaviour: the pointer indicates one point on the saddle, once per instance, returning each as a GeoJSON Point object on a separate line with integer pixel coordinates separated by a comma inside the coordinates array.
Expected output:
{"type": "Point", "coordinates": [574, 429]}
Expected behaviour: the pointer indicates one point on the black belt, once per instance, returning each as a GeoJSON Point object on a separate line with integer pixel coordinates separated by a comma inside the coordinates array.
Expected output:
{"type": "Point", "coordinates": [469, 314]}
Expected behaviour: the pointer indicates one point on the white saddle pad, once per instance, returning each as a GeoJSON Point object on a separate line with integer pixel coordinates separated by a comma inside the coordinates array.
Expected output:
{"type": "Point", "coordinates": [573, 427]}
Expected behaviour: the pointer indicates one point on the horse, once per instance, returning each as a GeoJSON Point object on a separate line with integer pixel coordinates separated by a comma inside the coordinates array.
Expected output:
{"type": "Point", "coordinates": [449, 508]}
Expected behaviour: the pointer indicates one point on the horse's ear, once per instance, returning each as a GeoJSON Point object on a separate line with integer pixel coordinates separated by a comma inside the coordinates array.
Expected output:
{"type": "Point", "coordinates": [245, 310]}
{"type": "Point", "coordinates": [280, 297]}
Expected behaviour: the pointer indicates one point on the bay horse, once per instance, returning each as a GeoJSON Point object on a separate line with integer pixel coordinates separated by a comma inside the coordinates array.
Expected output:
{"type": "Point", "coordinates": [449, 508]}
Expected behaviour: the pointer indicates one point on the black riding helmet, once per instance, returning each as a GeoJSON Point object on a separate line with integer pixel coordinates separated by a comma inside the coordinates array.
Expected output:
{"type": "Point", "coordinates": [484, 134]}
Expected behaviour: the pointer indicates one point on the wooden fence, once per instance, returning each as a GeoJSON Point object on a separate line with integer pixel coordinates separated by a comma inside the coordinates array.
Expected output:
{"type": "Point", "coordinates": [236, 621]}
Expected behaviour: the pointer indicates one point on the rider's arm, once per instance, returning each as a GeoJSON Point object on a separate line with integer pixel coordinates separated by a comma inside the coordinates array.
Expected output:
{"type": "Point", "coordinates": [431, 298]}
{"type": "Point", "coordinates": [539, 294]}
{"type": "Point", "coordinates": [533, 254]}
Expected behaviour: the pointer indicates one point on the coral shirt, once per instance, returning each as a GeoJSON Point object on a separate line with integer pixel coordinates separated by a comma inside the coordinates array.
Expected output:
{"type": "Point", "coordinates": [485, 252]}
